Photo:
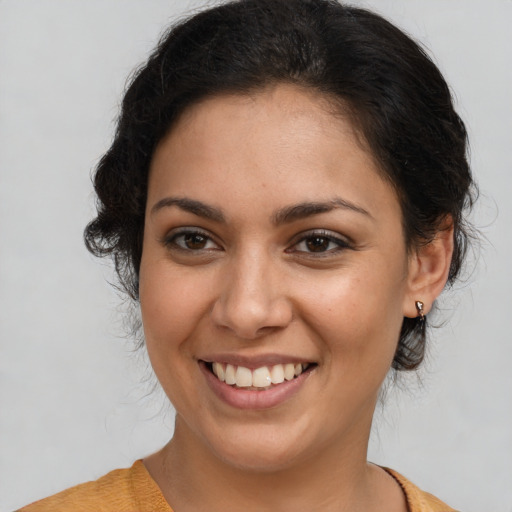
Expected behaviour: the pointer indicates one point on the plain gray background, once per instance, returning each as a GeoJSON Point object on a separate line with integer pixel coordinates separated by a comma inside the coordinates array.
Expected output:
{"type": "Point", "coordinates": [73, 404]}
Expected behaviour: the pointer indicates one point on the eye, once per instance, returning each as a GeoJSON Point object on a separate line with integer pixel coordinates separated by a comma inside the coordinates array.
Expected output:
{"type": "Point", "coordinates": [191, 240]}
{"type": "Point", "coordinates": [320, 242]}
{"type": "Point", "coordinates": [316, 244]}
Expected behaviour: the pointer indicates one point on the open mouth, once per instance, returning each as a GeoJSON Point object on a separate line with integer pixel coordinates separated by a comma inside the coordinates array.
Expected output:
{"type": "Point", "coordinates": [259, 379]}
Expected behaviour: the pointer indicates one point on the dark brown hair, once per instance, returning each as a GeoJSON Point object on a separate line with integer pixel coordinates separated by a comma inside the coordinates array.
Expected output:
{"type": "Point", "coordinates": [393, 92]}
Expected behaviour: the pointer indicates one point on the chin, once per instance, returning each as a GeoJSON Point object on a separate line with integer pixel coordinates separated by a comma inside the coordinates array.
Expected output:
{"type": "Point", "coordinates": [268, 451]}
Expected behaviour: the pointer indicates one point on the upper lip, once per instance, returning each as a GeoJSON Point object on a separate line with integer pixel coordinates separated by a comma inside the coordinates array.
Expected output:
{"type": "Point", "coordinates": [255, 361]}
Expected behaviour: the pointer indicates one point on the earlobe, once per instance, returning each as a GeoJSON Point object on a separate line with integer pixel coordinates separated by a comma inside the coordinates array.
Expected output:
{"type": "Point", "coordinates": [429, 266]}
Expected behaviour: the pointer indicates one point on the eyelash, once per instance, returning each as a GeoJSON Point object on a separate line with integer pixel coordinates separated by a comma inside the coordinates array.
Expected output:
{"type": "Point", "coordinates": [328, 236]}
{"type": "Point", "coordinates": [171, 241]}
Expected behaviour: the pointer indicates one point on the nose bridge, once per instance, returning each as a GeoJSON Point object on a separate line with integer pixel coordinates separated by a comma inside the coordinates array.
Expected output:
{"type": "Point", "coordinates": [252, 299]}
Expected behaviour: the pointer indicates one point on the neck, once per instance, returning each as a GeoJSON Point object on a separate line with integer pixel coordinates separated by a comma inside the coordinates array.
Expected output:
{"type": "Point", "coordinates": [336, 478]}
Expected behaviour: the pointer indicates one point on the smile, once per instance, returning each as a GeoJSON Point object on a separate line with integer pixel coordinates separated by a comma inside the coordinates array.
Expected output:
{"type": "Point", "coordinates": [259, 378]}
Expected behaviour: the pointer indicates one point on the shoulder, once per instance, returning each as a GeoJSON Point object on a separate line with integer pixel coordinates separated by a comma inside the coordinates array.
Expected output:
{"type": "Point", "coordinates": [122, 490]}
{"type": "Point", "coordinates": [418, 500]}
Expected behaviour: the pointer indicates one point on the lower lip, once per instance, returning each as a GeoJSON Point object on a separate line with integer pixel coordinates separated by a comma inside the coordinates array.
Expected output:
{"type": "Point", "coordinates": [250, 399]}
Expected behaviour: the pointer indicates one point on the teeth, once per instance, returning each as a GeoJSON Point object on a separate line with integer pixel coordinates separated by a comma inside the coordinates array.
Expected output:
{"type": "Point", "coordinates": [289, 371]}
{"type": "Point", "coordinates": [218, 369]}
{"type": "Point", "coordinates": [230, 375]}
{"type": "Point", "coordinates": [277, 374]}
{"type": "Point", "coordinates": [262, 377]}
{"type": "Point", "coordinates": [243, 377]}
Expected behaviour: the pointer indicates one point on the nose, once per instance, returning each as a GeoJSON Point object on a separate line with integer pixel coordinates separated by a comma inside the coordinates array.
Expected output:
{"type": "Point", "coordinates": [252, 301]}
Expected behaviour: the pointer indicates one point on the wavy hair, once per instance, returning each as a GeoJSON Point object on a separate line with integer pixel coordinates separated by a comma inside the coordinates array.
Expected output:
{"type": "Point", "coordinates": [387, 84]}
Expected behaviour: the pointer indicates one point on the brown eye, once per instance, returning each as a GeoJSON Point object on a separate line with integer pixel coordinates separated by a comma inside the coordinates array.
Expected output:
{"type": "Point", "coordinates": [317, 244]}
{"type": "Point", "coordinates": [195, 241]}
{"type": "Point", "coordinates": [191, 241]}
{"type": "Point", "coordinates": [321, 243]}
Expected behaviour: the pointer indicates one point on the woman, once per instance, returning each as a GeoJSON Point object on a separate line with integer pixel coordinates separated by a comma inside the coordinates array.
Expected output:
{"type": "Point", "coordinates": [285, 199]}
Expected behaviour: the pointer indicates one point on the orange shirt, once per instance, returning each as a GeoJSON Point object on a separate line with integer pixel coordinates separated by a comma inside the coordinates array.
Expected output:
{"type": "Point", "coordinates": [133, 490]}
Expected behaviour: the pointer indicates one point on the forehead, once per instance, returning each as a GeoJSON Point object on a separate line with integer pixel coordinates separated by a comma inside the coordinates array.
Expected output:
{"type": "Point", "coordinates": [290, 141]}
{"type": "Point", "coordinates": [302, 105]}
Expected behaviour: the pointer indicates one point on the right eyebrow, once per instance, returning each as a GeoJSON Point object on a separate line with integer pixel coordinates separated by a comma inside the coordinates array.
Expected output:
{"type": "Point", "coordinates": [192, 206]}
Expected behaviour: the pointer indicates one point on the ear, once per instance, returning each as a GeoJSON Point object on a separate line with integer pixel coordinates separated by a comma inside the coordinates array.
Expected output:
{"type": "Point", "coordinates": [428, 270]}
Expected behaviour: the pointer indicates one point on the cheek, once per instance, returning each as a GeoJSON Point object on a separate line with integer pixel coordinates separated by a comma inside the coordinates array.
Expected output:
{"type": "Point", "coordinates": [172, 305]}
{"type": "Point", "coordinates": [171, 309]}
{"type": "Point", "coordinates": [357, 315]}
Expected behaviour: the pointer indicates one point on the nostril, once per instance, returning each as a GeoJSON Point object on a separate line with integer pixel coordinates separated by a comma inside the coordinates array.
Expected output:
{"type": "Point", "coordinates": [251, 317]}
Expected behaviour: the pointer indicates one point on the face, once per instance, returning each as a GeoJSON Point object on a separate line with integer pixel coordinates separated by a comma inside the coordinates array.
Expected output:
{"type": "Point", "coordinates": [273, 278]}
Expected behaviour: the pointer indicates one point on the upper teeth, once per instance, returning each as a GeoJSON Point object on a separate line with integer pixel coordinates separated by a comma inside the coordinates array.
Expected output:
{"type": "Point", "coordinates": [260, 377]}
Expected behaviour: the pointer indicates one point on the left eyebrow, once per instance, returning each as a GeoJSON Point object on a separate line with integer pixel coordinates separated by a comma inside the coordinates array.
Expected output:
{"type": "Point", "coordinates": [307, 209]}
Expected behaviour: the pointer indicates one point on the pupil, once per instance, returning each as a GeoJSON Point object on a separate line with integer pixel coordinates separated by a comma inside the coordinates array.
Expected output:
{"type": "Point", "coordinates": [195, 241]}
{"type": "Point", "coordinates": [317, 244]}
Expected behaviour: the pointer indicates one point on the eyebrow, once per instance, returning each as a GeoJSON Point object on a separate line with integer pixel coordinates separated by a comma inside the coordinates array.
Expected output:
{"type": "Point", "coordinates": [190, 205]}
{"type": "Point", "coordinates": [307, 209]}
{"type": "Point", "coordinates": [284, 215]}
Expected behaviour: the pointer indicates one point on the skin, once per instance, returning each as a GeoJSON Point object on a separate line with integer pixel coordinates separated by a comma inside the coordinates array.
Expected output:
{"type": "Point", "coordinates": [263, 278]}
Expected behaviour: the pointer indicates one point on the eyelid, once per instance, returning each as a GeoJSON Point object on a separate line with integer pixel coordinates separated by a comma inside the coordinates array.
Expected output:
{"type": "Point", "coordinates": [168, 240]}
{"type": "Point", "coordinates": [341, 241]}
